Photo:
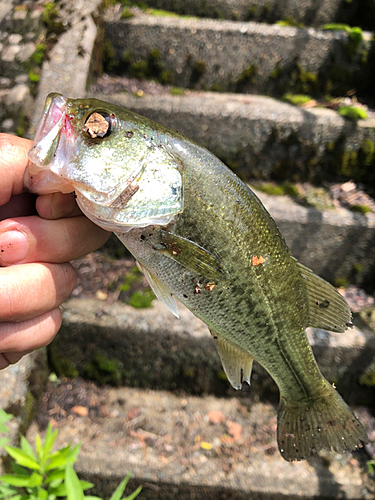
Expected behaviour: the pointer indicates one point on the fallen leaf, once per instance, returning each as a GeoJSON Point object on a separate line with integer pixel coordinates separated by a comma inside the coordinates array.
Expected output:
{"type": "Point", "coordinates": [206, 446]}
{"type": "Point", "coordinates": [82, 411]}
{"type": "Point", "coordinates": [215, 417]}
{"type": "Point", "coordinates": [234, 429]}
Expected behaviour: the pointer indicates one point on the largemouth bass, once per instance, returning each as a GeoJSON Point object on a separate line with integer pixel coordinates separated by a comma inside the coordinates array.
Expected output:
{"type": "Point", "coordinates": [202, 236]}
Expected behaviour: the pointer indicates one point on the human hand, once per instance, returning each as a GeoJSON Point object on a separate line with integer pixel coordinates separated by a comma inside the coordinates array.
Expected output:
{"type": "Point", "coordinates": [38, 236]}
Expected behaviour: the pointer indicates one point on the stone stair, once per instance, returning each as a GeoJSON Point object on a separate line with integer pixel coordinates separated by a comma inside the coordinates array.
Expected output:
{"type": "Point", "coordinates": [167, 376]}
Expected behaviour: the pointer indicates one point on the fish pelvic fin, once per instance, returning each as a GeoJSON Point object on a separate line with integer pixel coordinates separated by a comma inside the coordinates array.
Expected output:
{"type": "Point", "coordinates": [327, 309]}
{"type": "Point", "coordinates": [237, 363]}
{"type": "Point", "coordinates": [160, 290]}
{"type": "Point", "coordinates": [326, 422]}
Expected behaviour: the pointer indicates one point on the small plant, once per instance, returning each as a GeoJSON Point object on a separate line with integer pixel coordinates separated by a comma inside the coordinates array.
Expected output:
{"type": "Point", "coordinates": [42, 474]}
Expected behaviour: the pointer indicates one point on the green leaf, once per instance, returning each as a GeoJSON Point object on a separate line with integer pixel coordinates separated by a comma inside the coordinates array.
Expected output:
{"type": "Point", "coordinates": [92, 498]}
{"type": "Point", "coordinates": [73, 486]}
{"type": "Point", "coordinates": [85, 485]}
{"type": "Point", "coordinates": [21, 481]}
{"type": "Point", "coordinates": [117, 494]}
{"type": "Point", "coordinates": [54, 475]}
{"type": "Point", "coordinates": [4, 418]}
{"type": "Point", "coordinates": [26, 447]}
{"type": "Point", "coordinates": [22, 458]}
{"type": "Point", "coordinates": [134, 494]}
{"type": "Point", "coordinates": [21, 471]}
{"type": "Point", "coordinates": [49, 440]}
{"type": "Point", "coordinates": [38, 446]}
{"type": "Point", "coordinates": [64, 456]}
{"type": "Point", "coordinates": [6, 490]}
{"type": "Point", "coordinates": [3, 442]}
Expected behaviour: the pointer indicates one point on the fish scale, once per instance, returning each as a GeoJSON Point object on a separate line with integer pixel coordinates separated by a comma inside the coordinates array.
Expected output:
{"type": "Point", "coordinates": [202, 236]}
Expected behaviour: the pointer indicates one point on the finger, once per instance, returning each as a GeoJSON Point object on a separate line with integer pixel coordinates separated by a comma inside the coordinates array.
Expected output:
{"type": "Point", "coordinates": [19, 206]}
{"type": "Point", "coordinates": [29, 290]}
{"type": "Point", "coordinates": [12, 165]}
{"type": "Point", "coordinates": [33, 239]}
{"type": "Point", "coordinates": [17, 339]}
{"type": "Point", "coordinates": [57, 206]}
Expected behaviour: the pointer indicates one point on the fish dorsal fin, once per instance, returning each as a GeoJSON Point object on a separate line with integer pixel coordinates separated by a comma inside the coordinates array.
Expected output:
{"type": "Point", "coordinates": [190, 255]}
{"type": "Point", "coordinates": [237, 363]}
{"type": "Point", "coordinates": [327, 309]}
{"type": "Point", "coordinates": [160, 290]}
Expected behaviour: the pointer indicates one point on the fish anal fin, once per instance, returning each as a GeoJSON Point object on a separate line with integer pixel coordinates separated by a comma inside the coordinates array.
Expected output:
{"type": "Point", "coordinates": [327, 309]}
{"type": "Point", "coordinates": [190, 255]}
{"type": "Point", "coordinates": [237, 363]}
{"type": "Point", "coordinates": [160, 290]}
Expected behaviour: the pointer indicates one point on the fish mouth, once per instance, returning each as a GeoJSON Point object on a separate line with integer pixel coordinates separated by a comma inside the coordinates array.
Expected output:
{"type": "Point", "coordinates": [52, 148]}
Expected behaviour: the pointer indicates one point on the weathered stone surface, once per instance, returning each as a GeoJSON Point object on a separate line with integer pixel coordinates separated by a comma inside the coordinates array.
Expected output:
{"type": "Point", "coordinates": [161, 438]}
{"type": "Point", "coordinates": [234, 56]}
{"type": "Point", "coordinates": [308, 12]}
{"type": "Point", "coordinates": [121, 345]}
{"type": "Point", "coordinates": [21, 386]}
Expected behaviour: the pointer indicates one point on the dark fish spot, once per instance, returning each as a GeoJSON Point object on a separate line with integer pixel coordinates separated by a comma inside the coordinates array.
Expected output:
{"type": "Point", "coordinates": [143, 237]}
{"type": "Point", "coordinates": [184, 295]}
{"type": "Point", "coordinates": [129, 134]}
{"type": "Point", "coordinates": [324, 304]}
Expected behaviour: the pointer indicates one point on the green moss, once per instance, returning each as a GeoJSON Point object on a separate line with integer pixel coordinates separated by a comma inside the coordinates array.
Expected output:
{"type": "Point", "coordinates": [38, 56]}
{"type": "Point", "coordinates": [368, 379]}
{"type": "Point", "coordinates": [358, 268]}
{"type": "Point", "coordinates": [278, 189]}
{"type": "Point", "coordinates": [353, 113]}
{"type": "Point", "coordinates": [290, 21]}
{"type": "Point", "coordinates": [330, 146]}
{"type": "Point", "coordinates": [133, 276]}
{"type": "Point", "coordinates": [177, 91]}
{"type": "Point", "coordinates": [341, 283]}
{"type": "Point", "coordinates": [361, 209]}
{"type": "Point", "coordinates": [34, 77]}
{"type": "Point", "coordinates": [126, 13]}
{"type": "Point", "coordinates": [142, 299]}
{"type": "Point", "coordinates": [104, 370]}
{"type": "Point", "coordinates": [247, 77]}
{"type": "Point", "coordinates": [110, 62]}
{"type": "Point", "coordinates": [349, 163]}
{"type": "Point", "coordinates": [368, 149]}
{"type": "Point", "coordinates": [297, 99]}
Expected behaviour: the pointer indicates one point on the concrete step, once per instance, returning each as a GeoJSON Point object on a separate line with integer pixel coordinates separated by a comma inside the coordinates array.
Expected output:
{"type": "Point", "coordinates": [263, 138]}
{"type": "Point", "coordinates": [116, 344]}
{"type": "Point", "coordinates": [238, 56]}
{"type": "Point", "coordinates": [307, 12]}
{"type": "Point", "coordinates": [189, 448]}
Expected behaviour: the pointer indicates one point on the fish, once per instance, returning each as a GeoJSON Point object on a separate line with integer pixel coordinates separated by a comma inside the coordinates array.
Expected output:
{"type": "Point", "coordinates": [202, 236]}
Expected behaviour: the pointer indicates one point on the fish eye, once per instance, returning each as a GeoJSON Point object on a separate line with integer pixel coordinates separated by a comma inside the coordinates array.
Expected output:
{"type": "Point", "coordinates": [99, 124]}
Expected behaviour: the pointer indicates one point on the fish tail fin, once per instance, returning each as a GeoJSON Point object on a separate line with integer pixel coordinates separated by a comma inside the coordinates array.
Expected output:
{"type": "Point", "coordinates": [322, 423]}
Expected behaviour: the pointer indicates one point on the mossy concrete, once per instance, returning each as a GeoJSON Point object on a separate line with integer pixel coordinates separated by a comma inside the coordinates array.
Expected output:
{"type": "Point", "coordinates": [282, 59]}
{"type": "Point", "coordinates": [306, 12]}
{"type": "Point", "coordinates": [151, 348]}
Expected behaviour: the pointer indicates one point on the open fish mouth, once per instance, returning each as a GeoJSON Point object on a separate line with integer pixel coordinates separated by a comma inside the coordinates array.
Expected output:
{"type": "Point", "coordinates": [53, 147]}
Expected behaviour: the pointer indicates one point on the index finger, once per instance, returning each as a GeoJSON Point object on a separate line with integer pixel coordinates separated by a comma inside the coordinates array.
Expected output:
{"type": "Point", "coordinates": [13, 161]}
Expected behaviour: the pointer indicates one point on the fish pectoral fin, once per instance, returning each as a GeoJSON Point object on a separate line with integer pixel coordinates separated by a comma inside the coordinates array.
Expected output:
{"type": "Point", "coordinates": [327, 309]}
{"type": "Point", "coordinates": [190, 255]}
{"type": "Point", "coordinates": [237, 363]}
{"type": "Point", "coordinates": [160, 290]}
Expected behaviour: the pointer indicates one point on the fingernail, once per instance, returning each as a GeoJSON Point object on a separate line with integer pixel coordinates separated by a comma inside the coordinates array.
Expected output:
{"type": "Point", "coordinates": [13, 247]}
